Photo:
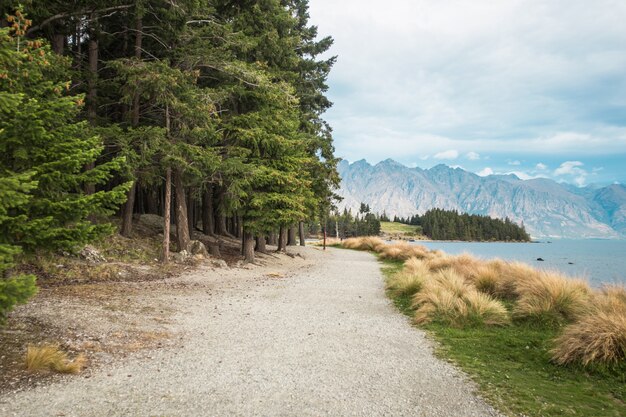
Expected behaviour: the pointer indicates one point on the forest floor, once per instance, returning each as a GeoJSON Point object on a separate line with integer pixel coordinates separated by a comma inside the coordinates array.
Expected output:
{"type": "Point", "coordinates": [311, 334]}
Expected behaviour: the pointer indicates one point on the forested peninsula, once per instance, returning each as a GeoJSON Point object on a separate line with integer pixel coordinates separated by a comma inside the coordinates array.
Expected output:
{"type": "Point", "coordinates": [208, 114]}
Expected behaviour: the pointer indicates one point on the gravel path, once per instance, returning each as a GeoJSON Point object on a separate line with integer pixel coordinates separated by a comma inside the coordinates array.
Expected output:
{"type": "Point", "coordinates": [321, 340]}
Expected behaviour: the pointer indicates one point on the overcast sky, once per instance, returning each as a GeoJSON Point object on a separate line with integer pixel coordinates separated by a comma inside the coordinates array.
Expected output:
{"type": "Point", "coordinates": [494, 86]}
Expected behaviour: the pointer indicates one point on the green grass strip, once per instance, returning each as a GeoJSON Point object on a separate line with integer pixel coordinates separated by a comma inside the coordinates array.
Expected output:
{"type": "Point", "coordinates": [512, 367]}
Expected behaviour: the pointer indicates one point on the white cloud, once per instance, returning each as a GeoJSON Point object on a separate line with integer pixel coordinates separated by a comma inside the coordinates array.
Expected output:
{"type": "Point", "coordinates": [569, 168]}
{"type": "Point", "coordinates": [460, 76]}
{"type": "Point", "coordinates": [572, 170]}
{"type": "Point", "coordinates": [472, 156]}
{"type": "Point", "coordinates": [515, 163]}
{"type": "Point", "coordinates": [485, 171]}
{"type": "Point", "coordinates": [449, 154]}
{"type": "Point", "coordinates": [541, 167]}
{"type": "Point", "coordinates": [523, 175]}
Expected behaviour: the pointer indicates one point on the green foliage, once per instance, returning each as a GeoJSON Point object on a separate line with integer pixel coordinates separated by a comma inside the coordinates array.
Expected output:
{"type": "Point", "coordinates": [15, 290]}
{"type": "Point", "coordinates": [362, 224]}
{"type": "Point", "coordinates": [441, 224]}
{"type": "Point", "coordinates": [39, 137]}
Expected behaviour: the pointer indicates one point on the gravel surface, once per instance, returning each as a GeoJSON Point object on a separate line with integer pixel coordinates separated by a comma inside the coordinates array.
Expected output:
{"type": "Point", "coordinates": [294, 337]}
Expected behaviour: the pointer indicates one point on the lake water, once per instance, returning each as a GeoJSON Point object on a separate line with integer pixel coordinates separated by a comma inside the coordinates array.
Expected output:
{"type": "Point", "coordinates": [599, 261]}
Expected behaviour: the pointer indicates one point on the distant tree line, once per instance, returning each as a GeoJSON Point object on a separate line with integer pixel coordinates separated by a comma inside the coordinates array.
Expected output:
{"type": "Point", "coordinates": [442, 224]}
{"type": "Point", "coordinates": [345, 225]}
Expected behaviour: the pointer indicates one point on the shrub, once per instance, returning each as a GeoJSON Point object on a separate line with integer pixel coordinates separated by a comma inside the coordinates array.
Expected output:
{"type": "Point", "coordinates": [51, 358]}
{"type": "Point", "coordinates": [600, 336]}
{"type": "Point", "coordinates": [551, 298]}
{"type": "Point", "coordinates": [13, 291]}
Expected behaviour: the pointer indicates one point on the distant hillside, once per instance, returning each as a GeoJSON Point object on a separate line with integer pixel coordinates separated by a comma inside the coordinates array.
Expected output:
{"type": "Point", "coordinates": [547, 208]}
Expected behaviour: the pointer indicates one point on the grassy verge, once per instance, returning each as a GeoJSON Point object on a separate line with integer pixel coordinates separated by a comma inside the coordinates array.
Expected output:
{"type": "Point", "coordinates": [391, 228]}
{"type": "Point", "coordinates": [512, 367]}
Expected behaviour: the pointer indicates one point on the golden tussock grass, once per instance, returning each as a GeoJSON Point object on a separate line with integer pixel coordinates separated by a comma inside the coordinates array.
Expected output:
{"type": "Point", "coordinates": [599, 336]}
{"type": "Point", "coordinates": [410, 280]}
{"type": "Point", "coordinates": [551, 297]}
{"type": "Point", "coordinates": [402, 251]}
{"type": "Point", "coordinates": [51, 358]}
{"type": "Point", "coordinates": [447, 298]}
{"type": "Point", "coordinates": [364, 243]}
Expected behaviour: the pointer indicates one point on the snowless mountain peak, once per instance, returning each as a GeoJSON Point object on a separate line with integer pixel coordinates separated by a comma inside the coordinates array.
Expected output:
{"type": "Point", "coordinates": [547, 208]}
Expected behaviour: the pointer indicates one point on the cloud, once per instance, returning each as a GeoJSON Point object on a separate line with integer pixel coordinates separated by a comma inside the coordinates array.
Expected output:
{"type": "Point", "coordinates": [461, 77]}
{"type": "Point", "coordinates": [541, 167]}
{"type": "Point", "coordinates": [449, 154]}
{"type": "Point", "coordinates": [515, 163]}
{"type": "Point", "coordinates": [485, 171]}
{"type": "Point", "coordinates": [573, 170]}
{"type": "Point", "coordinates": [472, 156]}
{"type": "Point", "coordinates": [569, 168]}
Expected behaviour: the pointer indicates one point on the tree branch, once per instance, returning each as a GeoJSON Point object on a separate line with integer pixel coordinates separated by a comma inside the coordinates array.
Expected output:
{"type": "Point", "coordinates": [77, 13]}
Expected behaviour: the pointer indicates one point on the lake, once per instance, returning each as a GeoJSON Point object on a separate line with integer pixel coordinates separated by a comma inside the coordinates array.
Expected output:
{"type": "Point", "coordinates": [599, 261]}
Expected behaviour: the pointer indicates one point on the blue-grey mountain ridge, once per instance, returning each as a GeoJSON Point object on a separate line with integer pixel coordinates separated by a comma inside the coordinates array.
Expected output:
{"type": "Point", "coordinates": [548, 209]}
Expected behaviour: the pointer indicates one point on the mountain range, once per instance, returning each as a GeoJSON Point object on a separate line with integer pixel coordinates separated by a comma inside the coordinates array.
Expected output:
{"type": "Point", "coordinates": [547, 209]}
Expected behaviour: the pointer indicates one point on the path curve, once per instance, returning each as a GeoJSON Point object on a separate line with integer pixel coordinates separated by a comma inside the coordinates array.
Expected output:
{"type": "Point", "coordinates": [323, 341]}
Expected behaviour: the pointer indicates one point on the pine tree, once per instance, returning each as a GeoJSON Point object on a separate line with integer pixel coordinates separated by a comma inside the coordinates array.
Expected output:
{"type": "Point", "coordinates": [38, 134]}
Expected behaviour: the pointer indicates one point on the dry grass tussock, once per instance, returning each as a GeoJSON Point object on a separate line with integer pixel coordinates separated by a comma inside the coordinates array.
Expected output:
{"type": "Point", "coordinates": [410, 280]}
{"type": "Point", "coordinates": [552, 297]}
{"type": "Point", "coordinates": [51, 358]}
{"type": "Point", "coordinates": [599, 336]}
{"type": "Point", "coordinates": [364, 243]}
{"type": "Point", "coordinates": [403, 251]}
{"type": "Point", "coordinates": [447, 298]}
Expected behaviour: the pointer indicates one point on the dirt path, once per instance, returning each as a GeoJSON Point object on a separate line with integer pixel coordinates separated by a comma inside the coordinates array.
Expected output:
{"type": "Point", "coordinates": [320, 340]}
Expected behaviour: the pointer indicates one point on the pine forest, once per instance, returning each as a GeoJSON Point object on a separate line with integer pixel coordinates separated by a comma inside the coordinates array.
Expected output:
{"type": "Point", "coordinates": [207, 113]}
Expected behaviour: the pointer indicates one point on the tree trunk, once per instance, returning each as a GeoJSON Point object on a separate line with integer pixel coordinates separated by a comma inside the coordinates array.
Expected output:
{"type": "Point", "coordinates": [127, 211]}
{"type": "Point", "coordinates": [151, 202]}
{"type": "Point", "coordinates": [221, 225]}
{"type": "Point", "coordinates": [248, 246]}
{"type": "Point", "coordinates": [272, 239]}
{"type": "Point", "coordinates": [207, 212]}
{"type": "Point", "coordinates": [301, 233]}
{"type": "Point", "coordinates": [291, 239]}
{"type": "Point", "coordinates": [282, 239]}
{"type": "Point", "coordinates": [260, 244]}
{"type": "Point", "coordinates": [58, 43]}
{"type": "Point", "coordinates": [92, 95]}
{"type": "Point", "coordinates": [239, 226]}
{"type": "Point", "coordinates": [167, 216]}
{"type": "Point", "coordinates": [191, 215]}
{"type": "Point", "coordinates": [182, 225]}
{"type": "Point", "coordinates": [138, 46]}
{"type": "Point", "coordinates": [92, 91]}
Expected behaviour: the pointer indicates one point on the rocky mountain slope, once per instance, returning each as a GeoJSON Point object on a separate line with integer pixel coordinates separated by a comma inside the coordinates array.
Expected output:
{"type": "Point", "coordinates": [547, 208]}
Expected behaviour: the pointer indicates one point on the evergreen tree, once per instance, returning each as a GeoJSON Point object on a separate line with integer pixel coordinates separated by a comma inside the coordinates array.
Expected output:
{"type": "Point", "coordinates": [39, 135]}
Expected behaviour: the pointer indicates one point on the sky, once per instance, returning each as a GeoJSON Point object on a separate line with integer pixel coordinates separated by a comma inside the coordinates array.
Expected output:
{"type": "Point", "coordinates": [531, 87]}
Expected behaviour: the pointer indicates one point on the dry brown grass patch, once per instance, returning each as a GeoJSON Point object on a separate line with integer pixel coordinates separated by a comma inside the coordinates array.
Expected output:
{"type": "Point", "coordinates": [552, 297]}
{"type": "Point", "coordinates": [364, 243]}
{"type": "Point", "coordinates": [402, 251]}
{"type": "Point", "coordinates": [447, 298]}
{"type": "Point", "coordinates": [50, 357]}
{"type": "Point", "coordinates": [410, 280]}
{"type": "Point", "coordinates": [599, 336]}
